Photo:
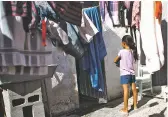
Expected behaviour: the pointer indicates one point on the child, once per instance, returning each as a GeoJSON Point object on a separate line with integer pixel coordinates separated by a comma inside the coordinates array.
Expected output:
{"type": "Point", "coordinates": [126, 59]}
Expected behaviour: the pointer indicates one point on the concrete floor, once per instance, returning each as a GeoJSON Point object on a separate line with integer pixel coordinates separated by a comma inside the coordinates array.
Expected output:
{"type": "Point", "coordinates": [148, 107]}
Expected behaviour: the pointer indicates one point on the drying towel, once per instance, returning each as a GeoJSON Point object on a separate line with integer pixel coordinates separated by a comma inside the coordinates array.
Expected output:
{"type": "Point", "coordinates": [45, 12]}
{"type": "Point", "coordinates": [70, 11]}
{"type": "Point", "coordinates": [88, 30]}
{"type": "Point", "coordinates": [96, 52]}
{"type": "Point", "coordinates": [152, 42]}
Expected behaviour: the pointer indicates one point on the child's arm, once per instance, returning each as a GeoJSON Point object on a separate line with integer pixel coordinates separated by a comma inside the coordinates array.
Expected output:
{"type": "Point", "coordinates": [116, 59]}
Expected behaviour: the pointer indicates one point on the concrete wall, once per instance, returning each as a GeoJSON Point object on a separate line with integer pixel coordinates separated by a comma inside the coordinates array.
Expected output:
{"type": "Point", "coordinates": [22, 99]}
{"type": "Point", "coordinates": [62, 91]}
{"type": "Point", "coordinates": [112, 42]}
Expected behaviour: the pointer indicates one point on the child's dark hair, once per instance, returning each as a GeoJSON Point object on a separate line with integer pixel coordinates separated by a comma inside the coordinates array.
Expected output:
{"type": "Point", "coordinates": [130, 42]}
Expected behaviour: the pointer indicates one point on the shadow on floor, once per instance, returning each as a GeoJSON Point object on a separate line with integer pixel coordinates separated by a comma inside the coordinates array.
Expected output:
{"type": "Point", "coordinates": [84, 111]}
{"type": "Point", "coordinates": [112, 104]}
{"type": "Point", "coordinates": [142, 102]}
{"type": "Point", "coordinates": [161, 114]}
{"type": "Point", "coordinates": [153, 104]}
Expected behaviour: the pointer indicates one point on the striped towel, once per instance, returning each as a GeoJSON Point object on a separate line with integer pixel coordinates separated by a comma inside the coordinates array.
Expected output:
{"type": "Point", "coordinates": [71, 12]}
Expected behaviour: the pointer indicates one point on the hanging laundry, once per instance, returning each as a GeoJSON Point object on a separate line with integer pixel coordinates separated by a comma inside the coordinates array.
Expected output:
{"type": "Point", "coordinates": [158, 10]}
{"type": "Point", "coordinates": [108, 19]}
{"type": "Point", "coordinates": [44, 32]}
{"type": "Point", "coordinates": [27, 10]}
{"type": "Point", "coordinates": [67, 35]}
{"type": "Point", "coordinates": [136, 14]}
{"type": "Point", "coordinates": [56, 31]}
{"type": "Point", "coordinates": [45, 12]}
{"type": "Point", "coordinates": [158, 34]}
{"type": "Point", "coordinates": [34, 16]}
{"type": "Point", "coordinates": [128, 18]}
{"type": "Point", "coordinates": [70, 11]}
{"type": "Point", "coordinates": [160, 77]}
{"type": "Point", "coordinates": [129, 6]}
{"type": "Point", "coordinates": [113, 8]}
{"type": "Point", "coordinates": [151, 37]}
{"type": "Point", "coordinates": [77, 39]}
{"type": "Point", "coordinates": [88, 30]}
{"type": "Point", "coordinates": [5, 29]}
{"type": "Point", "coordinates": [16, 8]}
{"type": "Point", "coordinates": [121, 8]}
{"type": "Point", "coordinates": [96, 52]}
{"type": "Point", "coordinates": [75, 47]}
{"type": "Point", "coordinates": [127, 14]}
{"type": "Point", "coordinates": [102, 5]}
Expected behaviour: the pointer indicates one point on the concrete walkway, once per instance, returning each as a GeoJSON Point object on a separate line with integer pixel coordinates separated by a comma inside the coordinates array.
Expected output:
{"type": "Point", "coordinates": [148, 107]}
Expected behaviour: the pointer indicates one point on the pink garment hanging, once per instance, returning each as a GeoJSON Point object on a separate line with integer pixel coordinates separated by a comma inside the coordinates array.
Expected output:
{"type": "Point", "coordinates": [136, 14]}
{"type": "Point", "coordinates": [127, 4]}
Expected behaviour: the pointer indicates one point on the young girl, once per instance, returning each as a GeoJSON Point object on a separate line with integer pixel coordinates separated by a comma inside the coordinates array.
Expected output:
{"type": "Point", "coordinates": [126, 58]}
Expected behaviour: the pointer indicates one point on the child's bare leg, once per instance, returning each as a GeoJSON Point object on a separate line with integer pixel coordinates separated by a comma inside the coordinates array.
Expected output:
{"type": "Point", "coordinates": [125, 88]}
{"type": "Point", "coordinates": [134, 90]}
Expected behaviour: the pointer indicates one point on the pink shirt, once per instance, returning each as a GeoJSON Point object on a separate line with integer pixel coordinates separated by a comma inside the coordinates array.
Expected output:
{"type": "Point", "coordinates": [126, 62]}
